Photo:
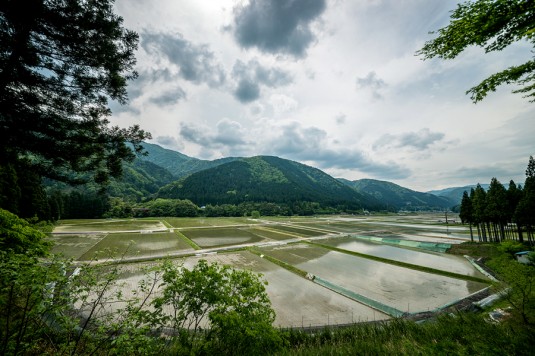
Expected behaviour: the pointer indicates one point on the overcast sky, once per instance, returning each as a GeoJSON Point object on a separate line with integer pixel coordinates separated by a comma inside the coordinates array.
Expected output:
{"type": "Point", "coordinates": [334, 84]}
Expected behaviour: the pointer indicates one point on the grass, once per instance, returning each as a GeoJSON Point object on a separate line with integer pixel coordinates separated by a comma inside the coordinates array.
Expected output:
{"type": "Point", "coordinates": [461, 334]}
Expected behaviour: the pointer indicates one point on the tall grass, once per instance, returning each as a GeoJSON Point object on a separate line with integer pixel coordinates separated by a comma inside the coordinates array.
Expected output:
{"type": "Point", "coordinates": [462, 334]}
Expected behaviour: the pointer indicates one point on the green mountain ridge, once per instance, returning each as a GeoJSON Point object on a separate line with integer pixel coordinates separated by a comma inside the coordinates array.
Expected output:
{"type": "Point", "coordinates": [397, 196]}
{"type": "Point", "coordinates": [178, 164]}
{"type": "Point", "coordinates": [264, 178]}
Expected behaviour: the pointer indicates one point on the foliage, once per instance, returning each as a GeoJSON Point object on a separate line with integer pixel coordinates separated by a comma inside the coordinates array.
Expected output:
{"type": "Point", "coordinates": [497, 211]}
{"type": "Point", "coordinates": [459, 334]}
{"type": "Point", "coordinates": [517, 284]}
{"type": "Point", "coordinates": [60, 63]}
{"type": "Point", "coordinates": [232, 303]}
{"type": "Point", "coordinates": [492, 25]}
{"type": "Point", "coordinates": [264, 179]}
{"type": "Point", "coordinates": [18, 237]}
{"type": "Point", "coordinates": [397, 197]}
{"type": "Point", "coordinates": [511, 247]}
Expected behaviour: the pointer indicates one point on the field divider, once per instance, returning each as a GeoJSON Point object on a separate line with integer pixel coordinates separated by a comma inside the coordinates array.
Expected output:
{"type": "Point", "coordinates": [312, 228]}
{"type": "Point", "coordinates": [278, 262]}
{"type": "Point", "coordinates": [187, 240]}
{"type": "Point", "coordinates": [403, 264]}
{"type": "Point", "coordinates": [396, 313]}
{"type": "Point", "coordinates": [282, 232]}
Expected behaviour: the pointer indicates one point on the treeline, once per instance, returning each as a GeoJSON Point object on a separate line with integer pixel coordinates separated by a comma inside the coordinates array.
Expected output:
{"type": "Point", "coordinates": [499, 213]}
{"type": "Point", "coordinates": [185, 208]}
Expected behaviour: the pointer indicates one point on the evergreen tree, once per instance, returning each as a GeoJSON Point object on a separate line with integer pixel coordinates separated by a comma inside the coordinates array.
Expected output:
{"type": "Point", "coordinates": [60, 63]}
{"type": "Point", "coordinates": [478, 205]}
{"type": "Point", "coordinates": [525, 211]}
{"type": "Point", "coordinates": [466, 213]}
{"type": "Point", "coordinates": [514, 194]}
{"type": "Point", "coordinates": [496, 209]}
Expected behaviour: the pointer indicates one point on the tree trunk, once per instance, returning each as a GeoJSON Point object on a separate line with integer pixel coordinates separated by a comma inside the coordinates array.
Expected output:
{"type": "Point", "coordinates": [471, 232]}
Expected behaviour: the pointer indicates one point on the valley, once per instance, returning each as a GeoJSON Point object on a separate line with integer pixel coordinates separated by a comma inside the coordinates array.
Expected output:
{"type": "Point", "coordinates": [321, 270]}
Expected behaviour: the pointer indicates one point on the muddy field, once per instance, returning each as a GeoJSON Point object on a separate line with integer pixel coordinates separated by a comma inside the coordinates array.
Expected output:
{"type": "Point", "coordinates": [297, 301]}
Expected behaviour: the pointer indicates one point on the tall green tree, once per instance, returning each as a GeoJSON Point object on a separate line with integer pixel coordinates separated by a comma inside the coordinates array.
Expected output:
{"type": "Point", "coordinates": [496, 209]}
{"type": "Point", "coordinates": [525, 211]}
{"type": "Point", "coordinates": [514, 195]}
{"type": "Point", "coordinates": [61, 61]}
{"type": "Point", "coordinates": [492, 25]}
{"type": "Point", "coordinates": [466, 212]}
{"type": "Point", "coordinates": [478, 204]}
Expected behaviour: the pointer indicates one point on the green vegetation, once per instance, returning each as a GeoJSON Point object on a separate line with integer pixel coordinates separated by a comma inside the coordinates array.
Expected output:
{"type": "Point", "coordinates": [499, 212]}
{"type": "Point", "coordinates": [52, 308]}
{"type": "Point", "coordinates": [492, 25]}
{"type": "Point", "coordinates": [265, 179]}
{"type": "Point", "coordinates": [460, 334]}
{"type": "Point", "coordinates": [60, 65]}
{"type": "Point", "coordinates": [218, 310]}
{"type": "Point", "coordinates": [397, 197]}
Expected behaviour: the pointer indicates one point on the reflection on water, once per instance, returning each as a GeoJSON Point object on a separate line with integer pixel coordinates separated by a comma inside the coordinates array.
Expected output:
{"type": "Point", "coordinates": [439, 261]}
{"type": "Point", "coordinates": [401, 288]}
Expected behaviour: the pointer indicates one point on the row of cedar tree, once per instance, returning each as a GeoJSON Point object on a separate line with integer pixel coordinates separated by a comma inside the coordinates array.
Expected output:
{"type": "Point", "coordinates": [499, 213]}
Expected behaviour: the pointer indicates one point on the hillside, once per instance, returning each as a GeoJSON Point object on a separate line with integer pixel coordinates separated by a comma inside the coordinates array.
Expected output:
{"type": "Point", "coordinates": [455, 194]}
{"type": "Point", "coordinates": [178, 164]}
{"type": "Point", "coordinates": [264, 178]}
{"type": "Point", "coordinates": [398, 197]}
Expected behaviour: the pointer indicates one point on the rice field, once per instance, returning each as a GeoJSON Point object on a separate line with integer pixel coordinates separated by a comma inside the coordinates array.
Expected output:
{"type": "Point", "coordinates": [81, 226]}
{"type": "Point", "coordinates": [298, 301]}
{"type": "Point", "coordinates": [223, 236]}
{"type": "Point", "coordinates": [136, 245]}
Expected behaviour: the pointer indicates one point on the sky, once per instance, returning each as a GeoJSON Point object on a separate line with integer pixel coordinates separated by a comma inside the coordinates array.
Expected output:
{"type": "Point", "coordinates": [334, 84]}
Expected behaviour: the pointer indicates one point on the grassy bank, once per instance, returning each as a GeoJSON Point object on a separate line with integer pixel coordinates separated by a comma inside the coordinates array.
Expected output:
{"type": "Point", "coordinates": [462, 334]}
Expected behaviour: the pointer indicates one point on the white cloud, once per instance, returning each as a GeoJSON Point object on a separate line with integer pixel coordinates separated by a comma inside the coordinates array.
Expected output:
{"type": "Point", "coordinates": [219, 79]}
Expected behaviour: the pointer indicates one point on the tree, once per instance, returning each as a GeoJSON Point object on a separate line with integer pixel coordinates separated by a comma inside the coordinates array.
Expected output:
{"type": "Point", "coordinates": [514, 194]}
{"type": "Point", "coordinates": [492, 25]}
{"type": "Point", "coordinates": [478, 206]}
{"type": "Point", "coordinates": [466, 213]}
{"type": "Point", "coordinates": [61, 61]}
{"type": "Point", "coordinates": [496, 208]}
{"type": "Point", "coordinates": [232, 303]}
{"type": "Point", "coordinates": [525, 211]}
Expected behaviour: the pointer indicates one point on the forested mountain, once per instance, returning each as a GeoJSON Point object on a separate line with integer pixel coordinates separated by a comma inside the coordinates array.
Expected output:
{"type": "Point", "coordinates": [177, 163]}
{"type": "Point", "coordinates": [395, 196]}
{"type": "Point", "coordinates": [455, 194]}
{"type": "Point", "coordinates": [264, 178]}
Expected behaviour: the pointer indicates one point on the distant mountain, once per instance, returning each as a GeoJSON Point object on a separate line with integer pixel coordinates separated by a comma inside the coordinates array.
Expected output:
{"type": "Point", "coordinates": [398, 197]}
{"type": "Point", "coordinates": [140, 178]}
{"type": "Point", "coordinates": [455, 194]}
{"type": "Point", "coordinates": [177, 163]}
{"type": "Point", "coordinates": [264, 179]}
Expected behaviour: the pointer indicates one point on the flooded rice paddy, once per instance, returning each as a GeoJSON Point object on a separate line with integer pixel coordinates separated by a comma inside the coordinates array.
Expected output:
{"type": "Point", "coordinates": [298, 301]}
